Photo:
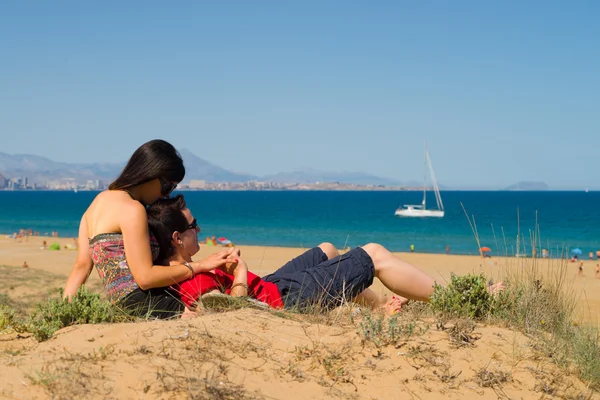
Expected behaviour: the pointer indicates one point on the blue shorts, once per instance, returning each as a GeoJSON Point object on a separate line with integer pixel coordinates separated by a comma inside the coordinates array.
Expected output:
{"type": "Point", "coordinates": [312, 280]}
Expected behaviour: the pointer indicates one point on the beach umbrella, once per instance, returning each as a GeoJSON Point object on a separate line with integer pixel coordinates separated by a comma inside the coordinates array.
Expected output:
{"type": "Point", "coordinates": [577, 251]}
{"type": "Point", "coordinates": [223, 240]}
{"type": "Point", "coordinates": [485, 249]}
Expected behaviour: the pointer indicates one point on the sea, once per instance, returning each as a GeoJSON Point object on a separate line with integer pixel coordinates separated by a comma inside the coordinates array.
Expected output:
{"type": "Point", "coordinates": [508, 222]}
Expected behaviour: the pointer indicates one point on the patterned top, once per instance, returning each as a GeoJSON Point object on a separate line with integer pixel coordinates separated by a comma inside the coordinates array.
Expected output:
{"type": "Point", "coordinates": [108, 254]}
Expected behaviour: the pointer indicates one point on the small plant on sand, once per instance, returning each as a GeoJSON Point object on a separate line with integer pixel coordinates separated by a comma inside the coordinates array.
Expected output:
{"type": "Point", "coordinates": [491, 378]}
{"type": "Point", "coordinates": [383, 331]}
{"type": "Point", "coordinates": [84, 308]}
{"type": "Point", "coordinates": [462, 333]}
{"type": "Point", "coordinates": [465, 296]}
{"type": "Point", "coordinates": [7, 317]}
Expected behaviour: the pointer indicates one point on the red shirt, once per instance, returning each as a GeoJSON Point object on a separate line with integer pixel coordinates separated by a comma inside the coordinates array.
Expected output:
{"type": "Point", "coordinates": [204, 282]}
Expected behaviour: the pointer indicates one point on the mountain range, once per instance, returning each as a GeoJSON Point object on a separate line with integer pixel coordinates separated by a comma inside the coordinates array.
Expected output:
{"type": "Point", "coordinates": [40, 170]}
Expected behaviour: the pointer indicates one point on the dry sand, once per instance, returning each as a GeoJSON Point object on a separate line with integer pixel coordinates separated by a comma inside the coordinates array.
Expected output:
{"type": "Point", "coordinates": [265, 259]}
{"type": "Point", "coordinates": [258, 354]}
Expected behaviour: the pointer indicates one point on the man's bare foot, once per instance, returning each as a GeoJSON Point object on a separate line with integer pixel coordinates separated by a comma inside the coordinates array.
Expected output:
{"type": "Point", "coordinates": [394, 305]}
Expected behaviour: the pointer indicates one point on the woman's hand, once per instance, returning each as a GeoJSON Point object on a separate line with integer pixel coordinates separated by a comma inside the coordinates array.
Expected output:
{"type": "Point", "coordinates": [215, 261]}
{"type": "Point", "coordinates": [236, 268]}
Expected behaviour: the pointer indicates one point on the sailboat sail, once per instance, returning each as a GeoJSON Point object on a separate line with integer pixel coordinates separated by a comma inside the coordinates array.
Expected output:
{"type": "Point", "coordinates": [421, 210]}
{"type": "Point", "coordinates": [436, 189]}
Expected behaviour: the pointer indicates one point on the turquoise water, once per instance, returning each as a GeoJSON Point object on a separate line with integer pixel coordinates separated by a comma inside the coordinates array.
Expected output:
{"type": "Point", "coordinates": [292, 218]}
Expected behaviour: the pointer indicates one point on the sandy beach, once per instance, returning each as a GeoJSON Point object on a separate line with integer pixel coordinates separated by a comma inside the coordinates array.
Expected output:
{"type": "Point", "coordinates": [264, 259]}
{"type": "Point", "coordinates": [252, 354]}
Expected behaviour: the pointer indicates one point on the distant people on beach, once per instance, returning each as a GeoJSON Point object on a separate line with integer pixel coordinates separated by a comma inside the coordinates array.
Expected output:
{"type": "Point", "coordinates": [580, 272]}
{"type": "Point", "coordinates": [575, 258]}
{"type": "Point", "coordinates": [25, 265]}
{"type": "Point", "coordinates": [598, 255]}
{"type": "Point", "coordinates": [44, 245]}
{"type": "Point", "coordinates": [72, 246]}
{"type": "Point", "coordinates": [412, 248]}
{"type": "Point", "coordinates": [23, 234]}
{"type": "Point", "coordinates": [597, 271]}
{"type": "Point", "coordinates": [544, 253]}
{"type": "Point", "coordinates": [591, 255]}
{"type": "Point", "coordinates": [447, 249]}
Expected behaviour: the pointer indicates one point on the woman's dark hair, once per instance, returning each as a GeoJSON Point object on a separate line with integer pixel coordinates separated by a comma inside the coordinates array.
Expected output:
{"type": "Point", "coordinates": [154, 159]}
{"type": "Point", "coordinates": [165, 217]}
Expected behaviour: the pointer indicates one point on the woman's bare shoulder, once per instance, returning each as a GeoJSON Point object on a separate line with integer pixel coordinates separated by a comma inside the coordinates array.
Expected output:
{"type": "Point", "coordinates": [107, 210]}
{"type": "Point", "coordinates": [106, 199]}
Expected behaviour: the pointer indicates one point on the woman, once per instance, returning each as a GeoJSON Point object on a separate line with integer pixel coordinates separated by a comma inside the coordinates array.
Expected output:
{"type": "Point", "coordinates": [318, 277]}
{"type": "Point", "coordinates": [114, 236]}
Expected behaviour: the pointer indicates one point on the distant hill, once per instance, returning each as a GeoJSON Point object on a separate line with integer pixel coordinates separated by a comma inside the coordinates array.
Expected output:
{"type": "Point", "coordinates": [41, 170]}
{"type": "Point", "coordinates": [197, 168]}
{"type": "Point", "coordinates": [528, 186]}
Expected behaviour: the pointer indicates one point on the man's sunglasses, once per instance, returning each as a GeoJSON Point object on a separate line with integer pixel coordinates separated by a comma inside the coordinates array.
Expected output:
{"type": "Point", "coordinates": [193, 225]}
{"type": "Point", "coordinates": [166, 187]}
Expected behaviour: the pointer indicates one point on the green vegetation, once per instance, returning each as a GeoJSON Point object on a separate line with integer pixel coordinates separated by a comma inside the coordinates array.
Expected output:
{"type": "Point", "coordinates": [383, 331]}
{"type": "Point", "coordinates": [541, 309]}
{"type": "Point", "coordinates": [7, 317]}
{"type": "Point", "coordinates": [84, 308]}
{"type": "Point", "coordinates": [536, 304]}
{"type": "Point", "coordinates": [465, 296]}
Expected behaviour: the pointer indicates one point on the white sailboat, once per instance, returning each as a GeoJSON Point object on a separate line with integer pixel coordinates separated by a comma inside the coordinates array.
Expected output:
{"type": "Point", "coordinates": [421, 210]}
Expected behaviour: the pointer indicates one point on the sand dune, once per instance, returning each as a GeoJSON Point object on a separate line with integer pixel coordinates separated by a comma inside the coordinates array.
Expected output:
{"type": "Point", "coordinates": [255, 354]}
{"type": "Point", "coordinates": [262, 354]}
{"type": "Point", "coordinates": [265, 259]}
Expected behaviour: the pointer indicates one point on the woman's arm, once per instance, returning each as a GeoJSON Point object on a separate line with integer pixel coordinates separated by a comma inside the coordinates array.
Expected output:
{"type": "Point", "coordinates": [83, 265]}
{"type": "Point", "coordinates": [134, 227]}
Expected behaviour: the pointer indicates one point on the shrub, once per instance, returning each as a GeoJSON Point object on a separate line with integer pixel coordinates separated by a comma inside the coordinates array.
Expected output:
{"type": "Point", "coordinates": [84, 308]}
{"type": "Point", "coordinates": [7, 317]}
{"type": "Point", "coordinates": [465, 296]}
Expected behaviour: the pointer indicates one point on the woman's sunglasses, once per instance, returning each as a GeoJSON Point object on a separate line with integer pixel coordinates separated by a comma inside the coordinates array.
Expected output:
{"type": "Point", "coordinates": [166, 187]}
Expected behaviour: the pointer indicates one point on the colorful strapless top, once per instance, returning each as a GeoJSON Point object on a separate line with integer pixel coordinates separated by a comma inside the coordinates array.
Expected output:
{"type": "Point", "coordinates": [108, 254]}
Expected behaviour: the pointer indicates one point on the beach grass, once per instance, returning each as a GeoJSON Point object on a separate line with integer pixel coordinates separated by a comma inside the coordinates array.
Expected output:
{"type": "Point", "coordinates": [540, 305]}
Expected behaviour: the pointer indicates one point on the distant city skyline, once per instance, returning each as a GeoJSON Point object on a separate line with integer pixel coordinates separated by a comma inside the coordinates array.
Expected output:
{"type": "Point", "coordinates": [502, 92]}
{"type": "Point", "coordinates": [28, 171]}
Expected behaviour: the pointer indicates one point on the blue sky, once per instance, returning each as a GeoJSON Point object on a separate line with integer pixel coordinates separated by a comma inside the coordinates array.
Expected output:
{"type": "Point", "coordinates": [502, 91]}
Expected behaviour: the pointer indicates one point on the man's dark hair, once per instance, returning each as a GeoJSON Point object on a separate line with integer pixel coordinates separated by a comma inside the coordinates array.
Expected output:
{"type": "Point", "coordinates": [154, 159]}
{"type": "Point", "coordinates": [165, 216]}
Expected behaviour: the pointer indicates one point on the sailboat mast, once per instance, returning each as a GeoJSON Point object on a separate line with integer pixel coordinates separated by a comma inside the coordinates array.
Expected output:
{"type": "Point", "coordinates": [436, 189]}
{"type": "Point", "coordinates": [425, 179]}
